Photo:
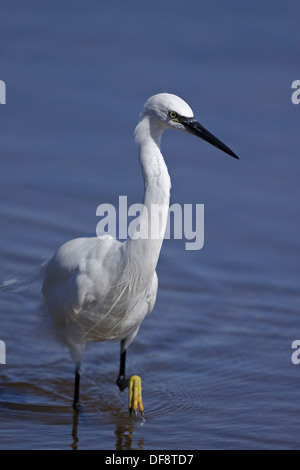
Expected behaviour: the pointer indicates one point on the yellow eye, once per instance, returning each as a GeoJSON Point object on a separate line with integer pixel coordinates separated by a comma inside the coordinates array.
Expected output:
{"type": "Point", "coordinates": [173, 115]}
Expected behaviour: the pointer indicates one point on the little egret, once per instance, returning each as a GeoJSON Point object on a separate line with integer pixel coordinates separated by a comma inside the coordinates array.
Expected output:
{"type": "Point", "coordinates": [99, 289]}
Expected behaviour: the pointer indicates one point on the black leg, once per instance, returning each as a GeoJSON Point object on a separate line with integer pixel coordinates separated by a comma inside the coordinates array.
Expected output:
{"type": "Point", "coordinates": [76, 388]}
{"type": "Point", "coordinates": [122, 382]}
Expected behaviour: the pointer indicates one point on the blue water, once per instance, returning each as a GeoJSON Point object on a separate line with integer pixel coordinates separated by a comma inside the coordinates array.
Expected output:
{"type": "Point", "coordinates": [215, 354]}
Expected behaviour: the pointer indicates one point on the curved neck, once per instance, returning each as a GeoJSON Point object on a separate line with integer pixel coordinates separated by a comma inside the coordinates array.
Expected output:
{"type": "Point", "coordinates": [156, 177]}
{"type": "Point", "coordinates": [147, 238]}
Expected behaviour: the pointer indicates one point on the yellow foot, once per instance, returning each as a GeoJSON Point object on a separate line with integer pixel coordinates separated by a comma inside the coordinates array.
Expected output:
{"type": "Point", "coordinates": [135, 395]}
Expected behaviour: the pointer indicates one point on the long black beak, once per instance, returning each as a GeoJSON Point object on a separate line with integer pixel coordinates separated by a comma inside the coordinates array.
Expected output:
{"type": "Point", "coordinates": [193, 127]}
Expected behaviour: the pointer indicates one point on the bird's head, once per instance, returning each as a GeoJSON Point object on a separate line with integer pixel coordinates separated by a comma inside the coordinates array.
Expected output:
{"type": "Point", "coordinates": [169, 111]}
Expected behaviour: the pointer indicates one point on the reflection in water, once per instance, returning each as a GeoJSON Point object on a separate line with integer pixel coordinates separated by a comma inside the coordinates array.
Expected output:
{"type": "Point", "coordinates": [75, 442]}
{"type": "Point", "coordinates": [124, 438]}
{"type": "Point", "coordinates": [123, 433]}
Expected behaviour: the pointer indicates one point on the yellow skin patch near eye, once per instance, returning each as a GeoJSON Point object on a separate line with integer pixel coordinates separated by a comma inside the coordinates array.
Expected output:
{"type": "Point", "coordinates": [174, 116]}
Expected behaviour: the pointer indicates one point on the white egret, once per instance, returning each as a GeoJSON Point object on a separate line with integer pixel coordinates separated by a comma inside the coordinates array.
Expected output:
{"type": "Point", "coordinates": [98, 289]}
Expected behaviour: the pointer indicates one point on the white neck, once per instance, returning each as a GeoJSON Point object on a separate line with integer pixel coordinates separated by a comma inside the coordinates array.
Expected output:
{"type": "Point", "coordinates": [146, 240]}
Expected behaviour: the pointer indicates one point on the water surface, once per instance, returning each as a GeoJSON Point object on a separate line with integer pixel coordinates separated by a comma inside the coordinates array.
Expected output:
{"type": "Point", "coordinates": [215, 354]}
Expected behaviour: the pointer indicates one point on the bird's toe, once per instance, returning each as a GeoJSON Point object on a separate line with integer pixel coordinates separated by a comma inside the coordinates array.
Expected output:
{"type": "Point", "coordinates": [135, 395]}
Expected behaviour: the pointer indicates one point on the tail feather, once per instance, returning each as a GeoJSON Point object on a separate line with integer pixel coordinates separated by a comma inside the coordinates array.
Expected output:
{"type": "Point", "coordinates": [21, 282]}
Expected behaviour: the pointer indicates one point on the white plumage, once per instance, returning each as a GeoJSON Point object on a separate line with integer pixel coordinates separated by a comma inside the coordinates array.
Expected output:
{"type": "Point", "coordinates": [95, 292]}
{"type": "Point", "coordinates": [99, 289]}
